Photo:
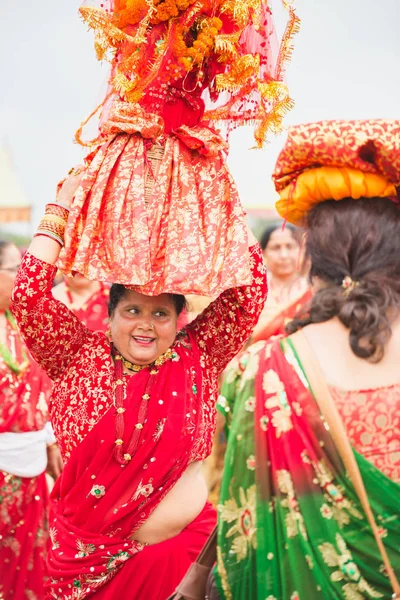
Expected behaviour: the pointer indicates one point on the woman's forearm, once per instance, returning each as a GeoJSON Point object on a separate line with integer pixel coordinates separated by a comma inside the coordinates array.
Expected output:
{"type": "Point", "coordinates": [44, 248]}
{"type": "Point", "coordinates": [44, 245]}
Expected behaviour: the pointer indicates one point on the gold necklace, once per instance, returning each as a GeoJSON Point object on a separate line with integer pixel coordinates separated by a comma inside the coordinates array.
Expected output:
{"type": "Point", "coordinates": [168, 355]}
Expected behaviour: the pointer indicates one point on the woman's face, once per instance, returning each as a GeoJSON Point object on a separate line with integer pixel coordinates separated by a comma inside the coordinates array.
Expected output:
{"type": "Point", "coordinates": [143, 327]}
{"type": "Point", "coordinates": [10, 260]}
{"type": "Point", "coordinates": [281, 254]}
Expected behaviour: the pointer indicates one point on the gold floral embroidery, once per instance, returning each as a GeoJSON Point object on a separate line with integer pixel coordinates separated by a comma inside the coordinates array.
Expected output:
{"type": "Point", "coordinates": [355, 586]}
{"type": "Point", "coordinates": [294, 520]}
{"type": "Point", "coordinates": [84, 549]}
{"type": "Point", "coordinates": [281, 420]}
{"type": "Point", "coordinates": [244, 515]}
{"type": "Point", "coordinates": [143, 490]}
{"type": "Point", "coordinates": [338, 506]}
{"type": "Point", "coordinates": [53, 538]}
{"type": "Point", "coordinates": [159, 429]}
{"type": "Point", "coordinates": [271, 383]}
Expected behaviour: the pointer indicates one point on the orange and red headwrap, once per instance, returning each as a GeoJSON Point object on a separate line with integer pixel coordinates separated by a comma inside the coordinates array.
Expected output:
{"type": "Point", "coordinates": [333, 160]}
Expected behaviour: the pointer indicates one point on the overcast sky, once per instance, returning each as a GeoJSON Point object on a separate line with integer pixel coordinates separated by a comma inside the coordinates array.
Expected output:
{"type": "Point", "coordinates": [345, 65]}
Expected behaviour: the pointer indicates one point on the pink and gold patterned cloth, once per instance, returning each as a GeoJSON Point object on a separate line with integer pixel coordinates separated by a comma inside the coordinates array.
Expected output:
{"type": "Point", "coordinates": [336, 160]}
{"type": "Point", "coordinates": [187, 236]}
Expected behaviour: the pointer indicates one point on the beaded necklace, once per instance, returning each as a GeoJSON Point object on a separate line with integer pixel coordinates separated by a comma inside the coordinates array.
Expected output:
{"type": "Point", "coordinates": [168, 355]}
{"type": "Point", "coordinates": [6, 353]}
{"type": "Point", "coordinates": [124, 456]}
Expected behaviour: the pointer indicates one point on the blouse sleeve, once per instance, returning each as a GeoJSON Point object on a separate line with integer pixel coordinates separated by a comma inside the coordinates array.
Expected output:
{"type": "Point", "coordinates": [223, 328]}
{"type": "Point", "coordinates": [50, 330]}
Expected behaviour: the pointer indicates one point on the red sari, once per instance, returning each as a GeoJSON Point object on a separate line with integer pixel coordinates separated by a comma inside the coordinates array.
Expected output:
{"type": "Point", "coordinates": [23, 500]}
{"type": "Point", "coordinates": [99, 503]}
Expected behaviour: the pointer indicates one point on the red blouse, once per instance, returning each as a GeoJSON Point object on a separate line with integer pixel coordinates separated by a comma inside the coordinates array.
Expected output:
{"type": "Point", "coordinates": [80, 363]}
{"type": "Point", "coordinates": [23, 405]}
{"type": "Point", "coordinates": [372, 421]}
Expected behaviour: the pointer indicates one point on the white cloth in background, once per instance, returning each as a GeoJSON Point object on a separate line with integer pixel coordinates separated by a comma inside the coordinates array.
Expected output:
{"type": "Point", "coordinates": [25, 454]}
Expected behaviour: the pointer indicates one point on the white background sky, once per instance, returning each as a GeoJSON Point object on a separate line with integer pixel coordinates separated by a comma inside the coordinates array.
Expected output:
{"type": "Point", "coordinates": [345, 65]}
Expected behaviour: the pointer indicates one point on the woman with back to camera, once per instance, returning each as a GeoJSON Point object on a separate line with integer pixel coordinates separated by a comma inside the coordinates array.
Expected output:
{"type": "Point", "coordinates": [134, 418]}
{"type": "Point", "coordinates": [27, 449]}
{"type": "Point", "coordinates": [292, 525]}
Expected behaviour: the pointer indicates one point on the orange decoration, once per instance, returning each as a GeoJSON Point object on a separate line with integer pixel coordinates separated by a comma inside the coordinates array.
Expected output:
{"type": "Point", "coordinates": [336, 160]}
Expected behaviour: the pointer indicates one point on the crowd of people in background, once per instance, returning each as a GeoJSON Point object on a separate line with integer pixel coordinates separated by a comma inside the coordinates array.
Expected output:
{"type": "Point", "coordinates": [145, 323]}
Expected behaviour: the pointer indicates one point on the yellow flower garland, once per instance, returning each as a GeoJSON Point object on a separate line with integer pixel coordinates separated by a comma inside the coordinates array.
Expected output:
{"type": "Point", "coordinates": [193, 56]}
{"type": "Point", "coordinates": [130, 12]}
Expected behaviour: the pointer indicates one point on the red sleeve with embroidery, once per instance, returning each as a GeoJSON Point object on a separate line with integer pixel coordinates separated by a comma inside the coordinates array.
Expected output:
{"type": "Point", "coordinates": [223, 328]}
{"type": "Point", "coordinates": [51, 331]}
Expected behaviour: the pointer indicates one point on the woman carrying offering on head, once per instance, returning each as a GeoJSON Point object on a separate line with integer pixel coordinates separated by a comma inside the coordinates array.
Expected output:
{"type": "Point", "coordinates": [134, 414]}
{"type": "Point", "coordinates": [292, 525]}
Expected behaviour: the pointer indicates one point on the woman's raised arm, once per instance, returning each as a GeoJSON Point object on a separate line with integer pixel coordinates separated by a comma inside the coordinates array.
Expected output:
{"type": "Point", "coordinates": [51, 331]}
{"type": "Point", "coordinates": [43, 246]}
{"type": "Point", "coordinates": [224, 327]}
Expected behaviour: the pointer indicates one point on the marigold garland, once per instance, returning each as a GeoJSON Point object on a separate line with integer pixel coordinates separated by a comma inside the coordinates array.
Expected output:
{"type": "Point", "coordinates": [193, 56]}
{"type": "Point", "coordinates": [167, 9]}
{"type": "Point", "coordinates": [189, 36]}
{"type": "Point", "coordinates": [133, 11]}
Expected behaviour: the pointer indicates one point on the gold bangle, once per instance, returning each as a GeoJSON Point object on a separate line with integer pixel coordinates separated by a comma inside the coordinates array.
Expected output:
{"type": "Point", "coordinates": [58, 210]}
{"type": "Point", "coordinates": [49, 225]}
{"type": "Point", "coordinates": [55, 219]}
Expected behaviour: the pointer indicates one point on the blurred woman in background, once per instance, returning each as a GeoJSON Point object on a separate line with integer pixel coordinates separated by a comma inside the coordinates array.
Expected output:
{"type": "Point", "coordinates": [288, 287]}
{"type": "Point", "coordinates": [87, 299]}
{"type": "Point", "coordinates": [27, 448]}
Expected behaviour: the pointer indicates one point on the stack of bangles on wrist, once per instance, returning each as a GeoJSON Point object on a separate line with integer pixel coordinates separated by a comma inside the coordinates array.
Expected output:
{"type": "Point", "coordinates": [54, 222]}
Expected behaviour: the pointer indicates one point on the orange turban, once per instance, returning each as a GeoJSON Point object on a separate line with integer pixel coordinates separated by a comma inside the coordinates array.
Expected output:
{"type": "Point", "coordinates": [333, 160]}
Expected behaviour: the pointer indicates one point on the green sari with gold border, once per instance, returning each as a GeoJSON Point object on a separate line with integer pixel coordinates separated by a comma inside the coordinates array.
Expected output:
{"type": "Point", "coordinates": [291, 526]}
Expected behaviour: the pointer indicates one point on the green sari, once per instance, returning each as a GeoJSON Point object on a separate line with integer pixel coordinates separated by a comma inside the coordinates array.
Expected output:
{"type": "Point", "coordinates": [290, 523]}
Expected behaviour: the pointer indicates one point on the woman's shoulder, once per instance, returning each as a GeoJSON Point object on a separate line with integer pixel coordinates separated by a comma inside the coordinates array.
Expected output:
{"type": "Point", "coordinates": [94, 353]}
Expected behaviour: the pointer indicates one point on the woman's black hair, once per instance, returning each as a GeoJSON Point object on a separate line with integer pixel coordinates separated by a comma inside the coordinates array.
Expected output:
{"type": "Point", "coordinates": [359, 239]}
{"type": "Point", "coordinates": [118, 291]}
{"type": "Point", "coordinates": [266, 234]}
